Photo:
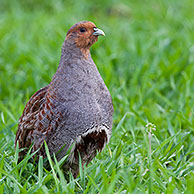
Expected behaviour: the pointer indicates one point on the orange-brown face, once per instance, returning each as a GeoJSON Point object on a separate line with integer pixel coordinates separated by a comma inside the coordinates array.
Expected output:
{"type": "Point", "coordinates": [84, 34]}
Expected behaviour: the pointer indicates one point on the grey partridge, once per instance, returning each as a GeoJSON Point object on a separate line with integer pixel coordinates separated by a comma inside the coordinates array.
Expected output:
{"type": "Point", "coordinates": [74, 109]}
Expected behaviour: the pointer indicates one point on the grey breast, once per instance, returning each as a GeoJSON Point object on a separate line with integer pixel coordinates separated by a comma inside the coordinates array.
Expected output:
{"type": "Point", "coordinates": [84, 101]}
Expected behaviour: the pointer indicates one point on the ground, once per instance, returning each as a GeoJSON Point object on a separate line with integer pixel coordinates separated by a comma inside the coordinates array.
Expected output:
{"type": "Point", "coordinates": [147, 62]}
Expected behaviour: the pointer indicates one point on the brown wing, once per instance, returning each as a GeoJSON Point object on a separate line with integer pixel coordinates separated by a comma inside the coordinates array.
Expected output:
{"type": "Point", "coordinates": [31, 118]}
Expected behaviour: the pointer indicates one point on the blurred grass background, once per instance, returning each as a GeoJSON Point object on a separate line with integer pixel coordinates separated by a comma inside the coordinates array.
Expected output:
{"type": "Point", "coordinates": [147, 62]}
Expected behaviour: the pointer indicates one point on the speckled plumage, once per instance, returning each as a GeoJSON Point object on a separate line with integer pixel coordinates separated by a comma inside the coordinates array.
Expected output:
{"type": "Point", "coordinates": [75, 107]}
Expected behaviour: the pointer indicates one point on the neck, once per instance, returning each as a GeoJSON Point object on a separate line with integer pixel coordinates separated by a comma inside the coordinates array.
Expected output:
{"type": "Point", "coordinates": [73, 56]}
{"type": "Point", "coordinates": [70, 50]}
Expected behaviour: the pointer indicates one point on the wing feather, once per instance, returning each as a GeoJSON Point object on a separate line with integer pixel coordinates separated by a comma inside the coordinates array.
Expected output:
{"type": "Point", "coordinates": [30, 117]}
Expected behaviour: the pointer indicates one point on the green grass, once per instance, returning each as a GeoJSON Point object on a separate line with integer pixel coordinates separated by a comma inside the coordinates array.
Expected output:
{"type": "Point", "coordinates": [147, 62]}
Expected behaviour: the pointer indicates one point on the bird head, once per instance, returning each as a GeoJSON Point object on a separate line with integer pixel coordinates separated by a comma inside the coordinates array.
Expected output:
{"type": "Point", "coordinates": [84, 34]}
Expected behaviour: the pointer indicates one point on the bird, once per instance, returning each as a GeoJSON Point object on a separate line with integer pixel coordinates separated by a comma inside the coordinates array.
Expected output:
{"type": "Point", "coordinates": [75, 110]}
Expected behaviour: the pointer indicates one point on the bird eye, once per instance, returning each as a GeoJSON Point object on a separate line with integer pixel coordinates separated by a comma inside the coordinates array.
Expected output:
{"type": "Point", "coordinates": [82, 29]}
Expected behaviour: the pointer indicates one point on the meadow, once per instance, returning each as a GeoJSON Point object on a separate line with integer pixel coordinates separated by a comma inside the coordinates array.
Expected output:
{"type": "Point", "coordinates": [146, 60]}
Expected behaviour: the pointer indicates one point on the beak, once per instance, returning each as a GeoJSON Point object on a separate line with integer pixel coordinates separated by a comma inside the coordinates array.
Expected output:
{"type": "Point", "coordinates": [98, 32]}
